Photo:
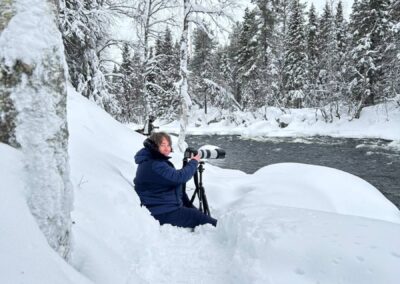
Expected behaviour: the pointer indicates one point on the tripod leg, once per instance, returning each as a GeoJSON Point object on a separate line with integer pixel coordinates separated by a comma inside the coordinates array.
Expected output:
{"type": "Point", "coordinates": [205, 202]}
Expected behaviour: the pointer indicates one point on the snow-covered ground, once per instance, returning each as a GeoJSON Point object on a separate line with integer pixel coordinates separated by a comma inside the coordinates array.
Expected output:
{"type": "Point", "coordinates": [286, 223]}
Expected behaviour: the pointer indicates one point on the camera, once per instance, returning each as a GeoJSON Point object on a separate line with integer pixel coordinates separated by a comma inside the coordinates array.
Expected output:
{"type": "Point", "coordinates": [206, 152]}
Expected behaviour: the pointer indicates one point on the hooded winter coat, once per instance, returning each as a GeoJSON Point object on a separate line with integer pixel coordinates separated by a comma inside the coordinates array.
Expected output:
{"type": "Point", "coordinates": [158, 183]}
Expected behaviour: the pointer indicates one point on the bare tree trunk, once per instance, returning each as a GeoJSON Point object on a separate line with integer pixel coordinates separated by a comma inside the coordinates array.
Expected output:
{"type": "Point", "coordinates": [33, 85]}
{"type": "Point", "coordinates": [148, 11]}
{"type": "Point", "coordinates": [183, 86]}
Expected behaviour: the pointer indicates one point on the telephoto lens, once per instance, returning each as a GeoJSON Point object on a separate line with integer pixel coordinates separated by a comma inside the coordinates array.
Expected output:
{"type": "Point", "coordinates": [211, 152]}
{"type": "Point", "coordinates": [205, 152]}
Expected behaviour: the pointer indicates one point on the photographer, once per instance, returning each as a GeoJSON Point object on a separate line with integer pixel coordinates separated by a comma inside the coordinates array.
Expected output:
{"type": "Point", "coordinates": [159, 184]}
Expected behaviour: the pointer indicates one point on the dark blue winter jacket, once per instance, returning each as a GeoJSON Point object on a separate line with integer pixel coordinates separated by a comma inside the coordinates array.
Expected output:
{"type": "Point", "coordinates": [158, 183]}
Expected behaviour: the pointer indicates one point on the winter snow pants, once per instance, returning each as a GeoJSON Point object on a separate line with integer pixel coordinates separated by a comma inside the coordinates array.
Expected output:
{"type": "Point", "coordinates": [185, 217]}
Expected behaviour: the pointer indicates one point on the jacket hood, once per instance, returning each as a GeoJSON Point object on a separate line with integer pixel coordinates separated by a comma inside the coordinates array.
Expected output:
{"type": "Point", "coordinates": [150, 151]}
{"type": "Point", "coordinates": [142, 155]}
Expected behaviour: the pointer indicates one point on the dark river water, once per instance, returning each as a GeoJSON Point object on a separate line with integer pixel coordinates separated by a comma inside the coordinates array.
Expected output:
{"type": "Point", "coordinates": [370, 159]}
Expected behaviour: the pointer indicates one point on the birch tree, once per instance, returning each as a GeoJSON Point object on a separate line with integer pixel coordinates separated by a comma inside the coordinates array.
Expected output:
{"type": "Point", "coordinates": [33, 101]}
{"type": "Point", "coordinates": [150, 16]}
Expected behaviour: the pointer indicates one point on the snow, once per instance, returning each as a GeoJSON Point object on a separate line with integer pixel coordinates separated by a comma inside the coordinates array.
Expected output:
{"type": "Point", "coordinates": [286, 223]}
{"type": "Point", "coordinates": [25, 255]}
{"type": "Point", "coordinates": [33, 37]}
{"type": "Point", "coordinates": [379, 121]}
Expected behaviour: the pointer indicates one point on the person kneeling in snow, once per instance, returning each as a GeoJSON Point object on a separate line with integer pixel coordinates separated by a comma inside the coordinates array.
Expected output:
{"type": "Point", "coordinates": [159, 184]}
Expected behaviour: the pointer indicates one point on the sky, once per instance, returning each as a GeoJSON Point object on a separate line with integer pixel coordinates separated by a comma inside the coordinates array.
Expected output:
{"type": "Point", "coordinates": [319, 5]}
{"type": "Point", "coordinates": [123, 26]}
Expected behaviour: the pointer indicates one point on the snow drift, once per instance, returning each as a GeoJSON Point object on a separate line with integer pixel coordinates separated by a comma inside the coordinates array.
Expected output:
{"type": "Point", "coordinates": [286, 223]}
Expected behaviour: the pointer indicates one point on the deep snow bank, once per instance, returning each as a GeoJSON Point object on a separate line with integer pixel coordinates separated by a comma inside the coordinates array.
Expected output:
{"type": "Point", "coordinates": [262, 235]}
{"type": "Point", "coordinates": [324, 189]}
{"type": "Point", "coordinates": [25, 256]}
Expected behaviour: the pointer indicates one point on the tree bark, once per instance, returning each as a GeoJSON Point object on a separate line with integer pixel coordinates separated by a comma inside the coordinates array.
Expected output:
{"type": "Point", "coordinates": [8, 78]}
{"type": "Point", "coordinates": [33, 98]}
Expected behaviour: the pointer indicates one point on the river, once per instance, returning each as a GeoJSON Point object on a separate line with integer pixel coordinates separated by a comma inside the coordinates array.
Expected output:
{"type": "Point", "coordinates": [370, 159]}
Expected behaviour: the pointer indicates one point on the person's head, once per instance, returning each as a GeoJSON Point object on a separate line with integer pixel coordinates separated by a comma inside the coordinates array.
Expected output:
{"type": "Point", "coordinates": [163, 142]}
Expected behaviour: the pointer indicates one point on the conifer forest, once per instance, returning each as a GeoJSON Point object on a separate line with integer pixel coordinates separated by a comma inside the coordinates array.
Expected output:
{"type": "Point", "coordinates": [281, 53]}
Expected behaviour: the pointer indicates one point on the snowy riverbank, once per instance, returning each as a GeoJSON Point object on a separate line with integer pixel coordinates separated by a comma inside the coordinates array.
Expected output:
{"type": "Point", "coordinates": [380, 121]}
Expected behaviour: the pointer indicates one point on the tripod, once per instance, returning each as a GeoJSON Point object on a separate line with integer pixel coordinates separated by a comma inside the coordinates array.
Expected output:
{"type": "Point", "coordinates": [199, 191]}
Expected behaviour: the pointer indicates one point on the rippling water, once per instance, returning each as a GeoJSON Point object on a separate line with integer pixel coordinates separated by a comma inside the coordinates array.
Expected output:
{"type": "Point", "coordinates": [371, 159]}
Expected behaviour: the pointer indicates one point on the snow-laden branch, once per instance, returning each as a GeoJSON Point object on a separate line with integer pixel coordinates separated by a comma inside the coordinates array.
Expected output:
{"type": "Point", "coordinates": [213, 11]}
{"type": "Point", "coordinates": [224, 92]}
{"type": "Point", "coordinates": [150, 84]}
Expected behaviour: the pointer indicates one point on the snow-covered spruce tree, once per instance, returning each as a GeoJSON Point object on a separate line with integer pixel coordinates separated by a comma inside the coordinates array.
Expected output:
{"type": "Point", "coordinates": [230, 68]}
{"type": "Point", "coordinates": [33, 83]}
{"type": "Point", "coordinates": [220, 91]}
{"type": "Point", "coordinates": [115, 80]}
{"type": "Point", "coordinates": [130, 84]}
{"type": "Point", "coordinates": [162, 77]}
{"type": "Point", "coordinates": [281, 51]}
{"type": "Point", "coordinates": [247, 59]}
{"type": "Point", "coordinates": [214, 82]}
{"type": "Point", "coordinates": [202, 67]}
{"type": "Point", "coordinates": [296, 59]}
{"type": "Point", "coordinates": [312, 56]}
{"type": "Point", "coordinates": [341, 64]}
{"type": "Point", "coordinates": [341, 34]}
{"type": "Point", "coordinates": [122, 83]}
{"type": "Point", "coordinates": [136, 97]}
{"type": "Point", "coordinates": [114, 87]}
{"type": "Point", "coordinates": [266, 78]}
{"type": "Point", "coordinates": [369, 27]}
{"type": "Point", "coordinates": [392, 60]}
{"type": "Point", "coordinates": [328, 91]}
{"type": "Point", "coordinates": [84, 25]}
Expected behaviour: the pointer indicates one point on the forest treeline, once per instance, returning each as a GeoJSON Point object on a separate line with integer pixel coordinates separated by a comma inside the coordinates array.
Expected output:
{"type": "Point", "coordinates": [279, 54]}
